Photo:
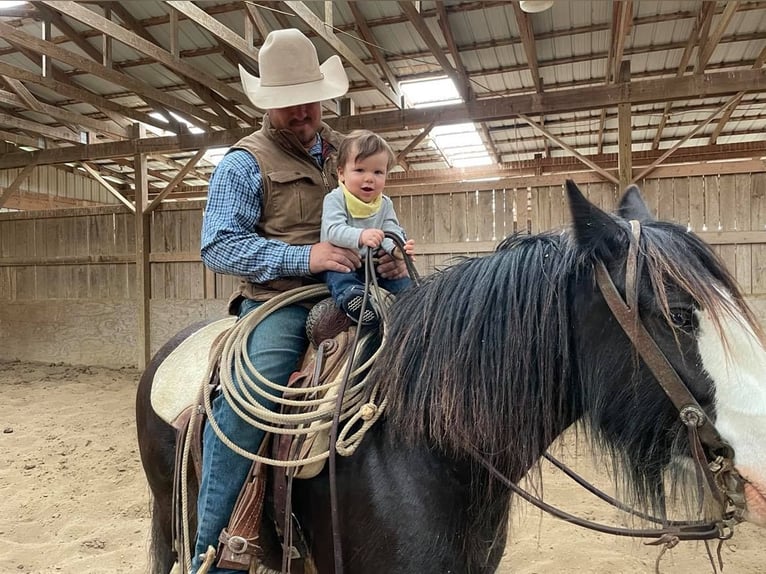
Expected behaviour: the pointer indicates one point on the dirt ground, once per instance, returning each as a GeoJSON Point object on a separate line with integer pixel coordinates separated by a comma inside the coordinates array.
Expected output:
{"type": "Point", "coordinates": [73, 498]}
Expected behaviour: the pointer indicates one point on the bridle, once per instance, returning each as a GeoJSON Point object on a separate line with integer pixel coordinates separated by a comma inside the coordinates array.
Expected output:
{"type": "Point", "coordinates": [713, 457]}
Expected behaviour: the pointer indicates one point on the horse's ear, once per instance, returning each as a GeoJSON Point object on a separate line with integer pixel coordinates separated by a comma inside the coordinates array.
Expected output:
{"type": "Point", "coordinates": [594, 229]}
{"type": "Point", "coordinates": [632, 205]}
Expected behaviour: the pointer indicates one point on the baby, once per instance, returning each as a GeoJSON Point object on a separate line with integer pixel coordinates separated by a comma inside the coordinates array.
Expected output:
{"type": "Point", "coordinates": [356, 215]}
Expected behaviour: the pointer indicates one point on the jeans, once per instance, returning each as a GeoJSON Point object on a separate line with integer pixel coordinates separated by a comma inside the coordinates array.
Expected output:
{"type": "Point", "coordinates": [343, 285]}
{"type": "Point", "coordinates": [275, 348]}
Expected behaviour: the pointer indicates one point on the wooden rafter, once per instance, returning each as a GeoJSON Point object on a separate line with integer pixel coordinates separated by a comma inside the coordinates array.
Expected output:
{"type": "Point", "coordinates": [704, 17]}
{"type": "Point", "coordinates": [257, 18]}
{"type": "Point", "coordinates": [759, 62]}
{"type": "Point", "coordinates": [560, 101]}
{"type": "Point", "coordinates": [709, 43]}
{"type": "Point", "coordinates": [417, 20]}
{"type": "Point", "coordinates": [64, 134]}
{"type": "Point", "coordinates": [16, 183]}
{"type": "Point", "coordinates": [139, 87]}
{"type": "Point", "coordinates": [622, 20]}
{"type": "Point", "coordinates": [402, 155]}
{"type": "Point", "coordinates": [217, 29]}
{"type": "Point", "coordinates": [528, 40]}
{"type": "Point", "coordinates": [561, 143]}
{"type": "Point", "coordinates": [372, 47]}
{"type": "Point", "coordinates": [129, 38]}
{"type": "Point", "coordinates": [203, 92]}
{"type": "Point", "coordinates": [63, 115]}
{"type": "Point", "coordinates": [732, 101]}
{"type": "Point", "coordinates": [79, 94]}
{"type": "Point", "coordinates": [176, 180]}
{"type": "Point", "coordinates": [108, 186]}
{"type": "Point", "coordinates": [316, 24]}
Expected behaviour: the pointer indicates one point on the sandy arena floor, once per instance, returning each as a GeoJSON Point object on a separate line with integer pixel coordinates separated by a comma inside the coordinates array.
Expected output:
{"type": "Point", "coordinates": [73, 498]}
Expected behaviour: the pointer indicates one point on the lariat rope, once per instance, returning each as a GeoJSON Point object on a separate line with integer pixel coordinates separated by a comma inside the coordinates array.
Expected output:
{"type": "Point", "coordinates": [316, 413]}
{"type": "Point", "coordinates": [230, 356]}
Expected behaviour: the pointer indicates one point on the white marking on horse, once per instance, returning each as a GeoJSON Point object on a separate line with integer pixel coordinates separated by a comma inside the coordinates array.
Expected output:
{"type": "Point", "coordinates": [737, 366]}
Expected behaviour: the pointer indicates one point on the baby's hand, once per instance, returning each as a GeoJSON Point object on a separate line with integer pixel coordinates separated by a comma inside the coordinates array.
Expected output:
{"type": "Point", "coordinates": [371, 238]}
{"type": "Point", "coordinates": [409, 249]}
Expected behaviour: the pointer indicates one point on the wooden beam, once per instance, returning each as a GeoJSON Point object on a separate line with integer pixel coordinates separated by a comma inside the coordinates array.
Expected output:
{"type": "Point", "coordinates": [730, 102]}
{"type": "Point", "coordinates": [528, 40]}
{"type": "Point", "coordinates": [16, 183]}
{"type": "Point", "coordinates": [43, 47]}
{"type": "Point", "coordinates": [561, 143]}
{"type": "Point", "coordinates": [37, 128]}
{"type": "Point", "coordinates": [624, 133]}
{"type": "Point", "coordinates": [707, 48]}
{"type": "Point", "coordinates": [417, 20]}
{"type": "Point", "coordinates": [143, 267]}
{"type": "Point", "coordinates": [217, 29]}
{"type": "Point", "coordinates": [316, 24]}
{"type": "Point", "coordinates": [401, 156]}
{"type": "Point", "coordinates": [59, 113]}
{"type": "Point", "coordinates": [202, 91]}
{"type": "Point", "coordinates": [624, 25]}
{"type": "Point", "coordinates": [176, 180]}
{"type": "Point", "coordinates": [759, 62]}
{"type": "Point", "coordinates": [560, 101]}
{"type": "Point", "coordinates": [79, 94]}
{"type": "Point", "coordinates": [257, 19]}
{"type": "Point", "coordinates": [77, 11]}
{"type": "Point", "coordinates": [183, 142]}
{"type": "Point", "coordinates": [705, 15]}
{"type": "Point", "coordinates": [372, 46]}
{"type": "Point", "coordinates": [108, 186]}
{"type": "Point", "coordinates": [462, 74]}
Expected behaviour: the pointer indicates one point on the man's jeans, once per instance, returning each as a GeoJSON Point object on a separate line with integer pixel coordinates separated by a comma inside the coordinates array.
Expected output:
{"type": "Point", "coordinates": [275, 347]}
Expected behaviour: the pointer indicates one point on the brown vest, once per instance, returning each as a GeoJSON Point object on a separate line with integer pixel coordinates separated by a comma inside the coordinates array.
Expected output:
{"type": "Point", "coordinates": [293, 191]}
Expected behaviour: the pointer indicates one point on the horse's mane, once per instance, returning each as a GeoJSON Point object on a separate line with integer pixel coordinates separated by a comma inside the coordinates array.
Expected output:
{"type": "Point", "coordinates": [476, 340]}
{"type": "Point", "coordinates": [482, 351]}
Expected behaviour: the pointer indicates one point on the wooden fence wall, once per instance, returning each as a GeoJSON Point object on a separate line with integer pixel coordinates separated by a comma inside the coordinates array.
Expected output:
{"type": "Point", "coordinates": [67, 277]}
{"type": "Point", "coordinates": [48, 185]}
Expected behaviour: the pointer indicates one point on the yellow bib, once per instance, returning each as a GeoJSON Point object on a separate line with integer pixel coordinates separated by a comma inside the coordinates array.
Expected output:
{"type": "Point", "coordinates": [357, 208]}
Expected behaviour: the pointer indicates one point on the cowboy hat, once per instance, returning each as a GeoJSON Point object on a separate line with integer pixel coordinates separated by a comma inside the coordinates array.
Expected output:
{"type": "Point", "coordinates": [291, 74]}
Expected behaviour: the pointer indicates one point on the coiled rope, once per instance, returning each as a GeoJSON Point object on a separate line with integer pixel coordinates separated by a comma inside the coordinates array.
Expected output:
{"type": "Point", "coordinates": [316, 414]}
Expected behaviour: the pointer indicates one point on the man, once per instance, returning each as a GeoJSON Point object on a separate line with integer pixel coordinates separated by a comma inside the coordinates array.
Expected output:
{"type": "Point", "coordinates": [262, 223]}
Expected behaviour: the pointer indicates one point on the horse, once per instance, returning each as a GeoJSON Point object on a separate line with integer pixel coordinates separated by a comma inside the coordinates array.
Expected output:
{"type": "Point", "coordinates": [490, 359]}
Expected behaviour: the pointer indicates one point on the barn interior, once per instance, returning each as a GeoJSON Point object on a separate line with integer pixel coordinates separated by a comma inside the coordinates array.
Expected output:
{"type": "Point", "coordinates": [113, 115]}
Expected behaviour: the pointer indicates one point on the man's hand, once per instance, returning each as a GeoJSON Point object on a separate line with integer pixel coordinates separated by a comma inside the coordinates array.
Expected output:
{"type": "Point", "coordinates": [391, 268]}
{"type": "Point", "coordinates": [327, 257]}
{"type": "Point", "coordinates": [371, 238]}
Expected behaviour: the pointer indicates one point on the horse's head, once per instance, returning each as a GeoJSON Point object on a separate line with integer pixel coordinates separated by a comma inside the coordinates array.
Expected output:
{"type": "Point", "coordinates": [694, 312]}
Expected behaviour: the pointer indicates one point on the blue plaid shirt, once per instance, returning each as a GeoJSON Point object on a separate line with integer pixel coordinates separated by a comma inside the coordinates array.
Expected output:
{"type": "Point", "coordinates": [230, 244]}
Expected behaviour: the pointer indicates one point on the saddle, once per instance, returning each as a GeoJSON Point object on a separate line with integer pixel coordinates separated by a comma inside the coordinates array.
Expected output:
{"type": "Point", "coordinates": [248, 540]}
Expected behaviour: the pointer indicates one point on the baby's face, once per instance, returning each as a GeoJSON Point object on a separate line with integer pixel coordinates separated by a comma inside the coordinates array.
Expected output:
{"type": "Point", "coordinates": [365, 178]}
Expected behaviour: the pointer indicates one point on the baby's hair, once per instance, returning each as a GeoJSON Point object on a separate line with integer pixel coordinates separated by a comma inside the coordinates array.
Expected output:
{"type": "Point", "coordinates": [361, 144]}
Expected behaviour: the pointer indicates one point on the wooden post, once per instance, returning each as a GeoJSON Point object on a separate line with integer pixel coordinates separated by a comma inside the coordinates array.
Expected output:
{"type": "Point", "coordinates": [143, 251]}
{"type": "Point", "coordinates": [624, 134]}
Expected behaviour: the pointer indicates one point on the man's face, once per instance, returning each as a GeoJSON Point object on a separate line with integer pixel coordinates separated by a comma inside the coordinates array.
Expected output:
{"type": "Point", "coordinates": [303, 120]}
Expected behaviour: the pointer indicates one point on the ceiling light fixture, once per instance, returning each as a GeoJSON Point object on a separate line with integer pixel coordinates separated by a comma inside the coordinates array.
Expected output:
{"type": "Point", "coordinates": [535, 6]}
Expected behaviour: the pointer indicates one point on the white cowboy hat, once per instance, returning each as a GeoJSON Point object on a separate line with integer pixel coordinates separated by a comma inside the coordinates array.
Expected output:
{"type": "Point", "coordinates": [291, 74]}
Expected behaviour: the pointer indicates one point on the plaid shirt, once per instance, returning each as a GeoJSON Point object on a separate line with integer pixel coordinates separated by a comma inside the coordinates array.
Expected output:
{"type": "Point", "coordinates": [229, 243]}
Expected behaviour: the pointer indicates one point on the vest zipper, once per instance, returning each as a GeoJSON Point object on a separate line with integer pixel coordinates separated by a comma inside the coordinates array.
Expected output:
{"type": "Point", "coordinates": [324, 179]}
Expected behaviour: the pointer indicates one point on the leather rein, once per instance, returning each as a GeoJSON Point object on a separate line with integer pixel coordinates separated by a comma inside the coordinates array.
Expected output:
{"type": "Point", "coordinates": [713, 457]}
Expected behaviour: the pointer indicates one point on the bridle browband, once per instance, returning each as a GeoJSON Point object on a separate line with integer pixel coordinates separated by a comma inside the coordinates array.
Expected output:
{"type": "Point", "coordinates": [713, 457]}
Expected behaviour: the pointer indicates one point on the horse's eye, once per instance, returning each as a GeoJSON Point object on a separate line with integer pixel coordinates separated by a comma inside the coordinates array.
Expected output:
{"type": "Point", "coordinates": [681, 319]}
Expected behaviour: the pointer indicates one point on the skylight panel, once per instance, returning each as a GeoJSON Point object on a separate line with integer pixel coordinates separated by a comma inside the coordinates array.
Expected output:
{"type": "Point", "coordinates": [431, 92]}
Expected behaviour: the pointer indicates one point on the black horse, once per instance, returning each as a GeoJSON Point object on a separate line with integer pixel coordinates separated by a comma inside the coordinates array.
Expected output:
{"type": "Point", "coordinates": [495, 357]}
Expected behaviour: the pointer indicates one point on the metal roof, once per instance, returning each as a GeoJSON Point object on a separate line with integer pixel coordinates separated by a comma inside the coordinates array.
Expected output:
{"type": "Point", "coordinates": [493, 46]}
